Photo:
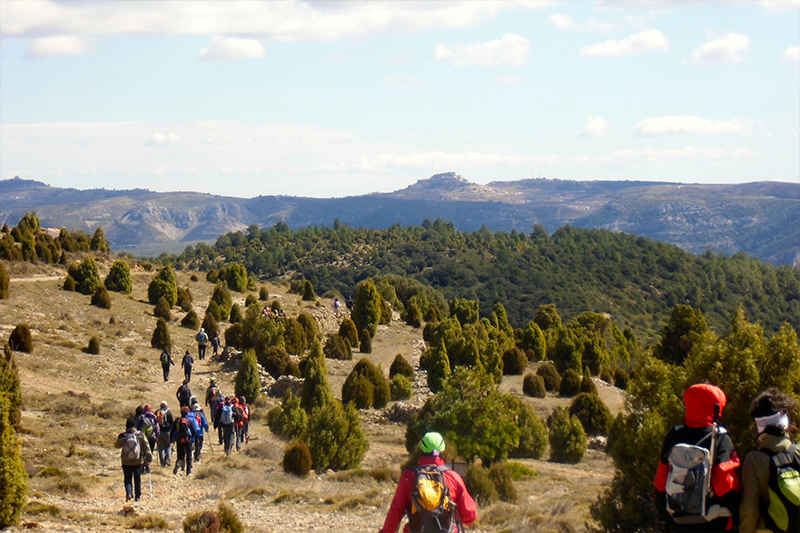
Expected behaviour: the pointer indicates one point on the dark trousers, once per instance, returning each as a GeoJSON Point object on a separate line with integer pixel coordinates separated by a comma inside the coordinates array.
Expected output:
{"type": "Point", "coordinates": [198, 447]}
{"type": "Point", "coordinates": [184, 457]}
{"type": "Point", "coordinates": [164, 448]}
{"type": "Point", "coordinates": [133, 480]}
{"type": "Point", "coordinates": [165, 368]}
{"type": "Point", "coordinates": [201, 351]}
{"type": "Point", "coordinates": [187, 372]}
{"type": "Point", "coordinates": [228, 436]}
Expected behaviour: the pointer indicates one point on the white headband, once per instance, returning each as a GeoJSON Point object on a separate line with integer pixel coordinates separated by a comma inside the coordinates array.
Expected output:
{"type": "Point", "coordinates": [778, 419]}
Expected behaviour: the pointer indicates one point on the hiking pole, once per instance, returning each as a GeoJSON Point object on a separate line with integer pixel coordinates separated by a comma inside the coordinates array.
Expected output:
{"type": "Point", "coordinates": [707, 480]}
{"type": "Point", "coordinates": [150, 482]}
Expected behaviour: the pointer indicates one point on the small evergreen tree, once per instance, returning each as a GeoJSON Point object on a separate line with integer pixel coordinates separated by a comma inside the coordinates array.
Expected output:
{"type": "Point", "coordinates": [4, 282]}
{"type": "Point", "coordinates": [276, 307]}
{"type": "Point", "coordinates": [365, 341]}
{"type": "Point", "coordinates": [10, 385]}
{"type": "Point", "coordinates": [263, 294]}
{"type": "Point", "coordinates": [533, 438]}
{"type": "Point", "coordinates": [213, 311]}
{"type": "Point", "coordinates": [160, 339]}
{"type": "Point", "coordinates": [94, 346]}
{"type": "Point", "coordinates": [236, 277]}
{"type": "Point", "coordinates": [514, 361]}
{"type": "Point", "coordinates": [552, 380]}
{"type": "Point", "coordinates": [621, 379]}
{"type": "Point", "coordinates": [233, 335]}
{"type": "Point", "coordinates": [98, 242]}
{"type": "Point", "coordinates": [402, 367]}
{"type": "Point", "coordinates": [337, 348]}
{"type": "Point", "coordinates": [413, 315]}
{"type": "Point", "coordinates": [222, 297]}
{"type": "Point", "coordinates": [101, 298]}
{"type": "Point", "coordinates": [236, 316]}
{"type": "Point", "coordinates": [13, 477]}
{"type": "Point", "coordinates": [316, 388]}
{"type": "Point", "coordinates": [347, 330]}
{"type": "Point", "coordinates": [275, 361]}
{"type": "Point", "coordinates": [184, 299]}
{"type": "Point", "coordinates": [250, 300]}
{"type": "Point", "coordinates": [288, 420]}
{"type": "Point", "coordinates": [86, 276]}
{"type": "Point", "coordinates": [294, 336]}
{"type": "Point", "coordinates": [438, 367]}
{"type": "Point", "coordinates": [533, 385]}
{"type": "Point", "coordinates": [367, 308]}
{"type": "Point", "coordinates": [69, 284]}
{"type": "Point", "coordinates": [165, 285]}
{"type": "Point", "coordinates": [378, 389]}
{"type": "Point", "coordinates": [308, 292]}
{"type": "Point", "coordinates": [570, 384]}
{"type": "Point", "coordinates": [592, 413]}
{"type": "Point", "coordinates": [20, 339]}
{"type": "Point", "coordinates": [210, 325]}
{"type": "Point", "coordinates": [480, 485]}
{"type": "Point", "coordinates": [533, 340]}
{"type": "Point", "coordinates": [401, 388]}
{"type": "Point", "coordinates": [567, 438]}
{"type": "Point", "coordinates": [309, 324]}
{"type": "Point", "coordinates": [119, 278]}
{"type": "Point", "coordinates": [587, 383]}
{"type": "Point", "coordinates": [297, 459]}
{"type": "Point", "coordinates": [191, 321]}
{"type": "Point", "coordinates": [162, 310]}
{"type": "Point", "coordinates": [335, 437]}
{"type": "Point", "coordinates": [247, 382]}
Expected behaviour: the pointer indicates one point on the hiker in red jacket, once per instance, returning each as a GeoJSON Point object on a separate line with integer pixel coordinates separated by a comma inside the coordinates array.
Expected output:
{"type": "Point", "coordinates": [430, 469]}
{"type": "Point", "coordinates": [723, 500]}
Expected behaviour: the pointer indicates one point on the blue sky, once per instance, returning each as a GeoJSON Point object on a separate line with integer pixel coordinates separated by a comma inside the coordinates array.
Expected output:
{"type": "Point", "coordinates": [342, 98]}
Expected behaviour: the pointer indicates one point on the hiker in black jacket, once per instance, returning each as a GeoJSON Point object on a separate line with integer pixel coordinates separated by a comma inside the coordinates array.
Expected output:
{"type": "Point", "coordinates": [166, 362]}
{"type": "Point", "coordinates": [187, 363]}
{"type": "Point", "coordinates": [184, 395]}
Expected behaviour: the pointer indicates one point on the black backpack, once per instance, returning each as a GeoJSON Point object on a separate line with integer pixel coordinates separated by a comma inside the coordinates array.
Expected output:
{"type": "Point", "coordinates": [783, 511]}
{"type": "Point", "coordinates": [184, 430]}
{"type": "Point", "coordinates": [431, 509]}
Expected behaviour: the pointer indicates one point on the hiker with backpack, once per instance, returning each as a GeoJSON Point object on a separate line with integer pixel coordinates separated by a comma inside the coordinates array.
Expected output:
{"type": "Point", "coordinates": [697, 483]}
{"type": "Point", "coordinates": [215, 343]}
{"type": "Point", "coordinates": [147, 423]}
{"type": "Point", "coordinates": [202, 426]}
{"type": "Point", "coordinates": [245, 427]}
{"type": "Point", "coordinates": [771, 474]}
{"type": "Point", "coordinates": [184, 394]}
{"type": "Point", "coordinates": [134, 455]}
{"type": "Point", "coordinates": [183, 435]}
{"type": "Point", "coordinates": [238, 422]}
{"type": "Point", "coordinates": [166, 363]}
{"type": "Point", "coordinates": [201, 339]}
{"type": "Point", "coordinates": [163, 444]}
{"type": "Point", "coordinates": [224, 420]}
{"type": "Point", "coordinates": [433, 497]}
{"type": "Point", "coordinates": [187, 363]}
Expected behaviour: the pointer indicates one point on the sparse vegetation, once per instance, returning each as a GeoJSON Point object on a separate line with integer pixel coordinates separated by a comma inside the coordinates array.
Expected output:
{"type": "Point", "coordinates": [119, 278]}
{"type": "Point", "coordinates": [94, 346]}
{"type": "Point", "coordinates": [533, 385]}
{"type": "Point", "coordinates": [21, 339]}
{"type": "Point", "coordinates": [4, 282]}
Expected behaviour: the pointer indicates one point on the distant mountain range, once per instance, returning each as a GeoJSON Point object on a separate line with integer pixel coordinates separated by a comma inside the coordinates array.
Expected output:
{"type": "Point", "coordinates": [760, 218]}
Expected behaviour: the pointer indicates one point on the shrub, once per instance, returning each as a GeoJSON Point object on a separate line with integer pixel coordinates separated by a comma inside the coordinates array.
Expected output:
{"type": "Point", "coordinates": [210, 325]}
{"type": "Point", "coordinates": [13, 477]}
{"type": "Point", "coordinates": [222, 297]}
{"type": "Point", "coordinates": [347, 330]}
{"type": "Point", "coordinates": [94, 346]}
{"type": "Point", "coordinates": [570, 384]}
{"type": "Point", "coordinates": [191, 321]}
{"type": "Point", "coordinates": [289, 420]}
{"type": "Point", "coordinates": [164, 284]}
{"type": "Point", "coordinates": [184, 299]}
{"type": "Point", "coordinates": [587, 384]}
{"type": "Point", "coordinates": [532, 432]}
{"type": "Point", "coordinates": [233, 335]}
{"type": "Point", "coordinates": [149, 521]}
{"type": "Point", "coordinates": [567, 438]}
{"type": "Point", "coordinates": [263, 294]}
{"type": "Point", "coordinates": [69, 284]}
{"type": "Point", "coordinates": [533, 385]}
{"type": "Point", "coordinates": [201, 522]}
{"type": "Point", "coordinates": [514, 362]}
{"type": "Point", "coordinates": [438, 366]}
{"type": "Point", "coordinates": [163, 310]}
{"type": "Point", "coordinates": [10, 385]}
{"type": "Point", "coordinates": [401, 366]}
{"type": "Point", "coordinates": [365, 341]}
{"type": "Point", "coordinates": [368, 307]}
{"type": "Point", "coordinates": [247, 382]}
{"type": "Point", "coordinates": [20, 339]}
{"type": "Point", "coordinates": [520, 472]}
{"type": "Point", "coordinates": [401, 388]}
{"type": "Point", "coordinates": [413, 315]}
{"type": "Point", "coordinates": [480, 485]}
{"type": "Point", "coordinates": [86, 276]}
{"type": "Point", "coordinates": [236, 276]}
{"type": "Point", "coordinates": [236, 316]}
{"type": "Point", "coordinates": [294, 336]}
{"type": "Point", "coordinates": [119, 278]}
{"type": "Point", "coordinates": [337, 348]}
{"type": "Point", "coordinates": [250, 300]}
{"type": "Point", "coordinates": [213, 310]}
{"type": "Point", "coordinates": [359, 392]}
{"type": "Point", "coordinates": [308, 292]}
{"type": "Point", "coordinates": [5, 280]}
{"type": "Point", "coordinates": [194, 278]}
{"type": "Point", "coordinates": [552, 380]}
{"type": "Point", "coordinates": [335, 437]}
{"type": "Point", "coordinates": [277, 362]}
{"type": "Point", "coordinates": [500, 475]}
{"type": "Point", "coordinates": [228, 519]}
{"type": "Point", "coordinates": [378, 391]}
{"type": "Point", "coordinates": [297, 459]}
{"type": "Point", "coordinates": [276, 306]}
{"type": "Point", "coordinates": [606, 376]}
{"type": "Point", "coordinates": [309, 324]}
{"type": "Point", "coordinates": [160, 339]}
{"type": "Point", "coordinates": [316, 388]}
{"type": "Point", "coordinates": [101, 298]}
{"type": "Point", "coordinates": [592, 413]}
{"type": "Point", "coordinates": [621, 379]}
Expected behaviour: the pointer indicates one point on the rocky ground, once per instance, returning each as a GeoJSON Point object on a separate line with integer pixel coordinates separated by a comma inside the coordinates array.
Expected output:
{"type": "Point", "coordinates": [76, 404]}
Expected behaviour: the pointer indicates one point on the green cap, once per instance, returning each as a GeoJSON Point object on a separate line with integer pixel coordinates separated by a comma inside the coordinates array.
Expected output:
{"type": "Point", "coordinates": [432, 442]}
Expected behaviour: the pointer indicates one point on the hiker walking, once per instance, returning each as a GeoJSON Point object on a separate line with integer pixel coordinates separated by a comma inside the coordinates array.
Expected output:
{"type": "Point", "coordinates": [770, 489]}
{"type": "Point", "coordinates": [245, 427]}
{"type": "Point", "coordinates": [349, 303]}
{"type": "Point", "coordinates": [187, 363]}
{"type": "Point", "coordinates": [336, 307]}
{"type": "Point", "coordinates": [163, 444]}
{"type": "Point", "coordinates": [215, 343]}
{"type": "Point", "coordinates": [687, 502]}
{"type": "Point", "coordinates": [183, 435]}
{"type": "Point", "coordinates": [147, 423]}
{"type": "Point", "coordinates": [224, 420]}
{"type": "Point", "coordinates": [202, 425]}
{"type": "Point", "coordinates": [134, 455]}
{"type": "Point", "coordinates": [184, 394]}
{"type": "Point", "coordinates": [238, 422]}
{"type": "Point", "coordinates": [426, 513]}
{"type": "Point", "coordinates": [166, 362]}
{"type": "Point", "coordinates": [201, 339]}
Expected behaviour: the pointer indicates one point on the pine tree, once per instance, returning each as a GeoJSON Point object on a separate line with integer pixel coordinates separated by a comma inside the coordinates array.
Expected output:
{"type": "Point", "coordinates": [367, 308]}
{"type": "Point", "coordinates": [165, 285]}
{"type": "Point", "coordinates": [98, 242]}
{"type": "Point", "coordinates": [119, 278]}
{"type": "Point", "coordinates": [248, 383]}
{"type": "Point", "coordinates": [316, 388]}
{"type": "Point", "coordinates": [13, 477]}
{"type": "Point", "coordinates": [160, 339]}
{"type": "Point", "coordinates": [86, 276]}
{"type": "Point", "coordinates": [438, 367]}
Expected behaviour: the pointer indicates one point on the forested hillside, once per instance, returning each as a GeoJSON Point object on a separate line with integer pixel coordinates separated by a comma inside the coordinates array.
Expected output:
{"type": "Point", "coordinates": [636, 280]}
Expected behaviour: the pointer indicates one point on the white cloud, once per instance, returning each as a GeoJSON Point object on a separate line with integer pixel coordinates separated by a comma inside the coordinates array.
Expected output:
{"type": "Point", "coordinates": [510, 50]}
{"type": "Point", "coordinates": [159, 171]}
{"type": "Point", "coordinates": [401, 81]}
{"type": "Point", "coordinates": [595, 127]}
{"type": "Point", "coordinates": [508, 80]}
{"type": "Point", "coordinates": [635, 44]}
{"type": "Point", "coordinates": [162, 139]}
{"type": "Point", "coordinates": [280, 21]}
{"type": "Point", "coordinates": [565, 22]}
{"type": "Point", "coordinates": [779, 7]}
{"type": "Point", "coordinates": [729, 48]}
{"type": "Point", "coordinates": [791, 54]}
{"type": "Point", "coordinates": [58, 45]}
{"type": "Point", "coordinates": [231, 49]}
{"type": "Point", "coordinates": [669, 125]}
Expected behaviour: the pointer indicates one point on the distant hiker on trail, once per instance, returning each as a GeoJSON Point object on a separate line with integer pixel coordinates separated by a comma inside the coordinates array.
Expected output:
{"type": "Point", "coordinates": [165, 421]}
{"type": "Point", "coordinates": [134, 455]}
{"type": "Point", "coordinates": [202, 425]}
{"type": "Point", "coordinates": [336, 307]}
{"type": "Point", "coordinates": [686, 499]}
{"type": "Point", "coordinates": [215, 343]}
{"type": "Point", "coordinates": [426, 495]}
{"type": "Point", "coordinates": [223, 419]}
{"type": "Point", "coordinates": [240, 416]}
{"type": "Point", "coordinates": [147, 423]}
{"type": "Point", "coordinates": [202, 339]}
{"type": "Point", "coordinates": [770, 483]}
{"type": "Point", "coordinates": [166, 362]}
{"type": "Point", "coordinates": [212, 394]}
{"type": "Point", "coordinates": [245, 437]}
{"type": "Point", "coordinates": [349, 303]}
{"type": "Point", "coordinates": [187, 363]}
{"type": "Point", "coordinates": [184, 432]}
{"type": "Point", "coordinates": [184, 394]}
{"type": "Point", "coordinates": [266, 312]}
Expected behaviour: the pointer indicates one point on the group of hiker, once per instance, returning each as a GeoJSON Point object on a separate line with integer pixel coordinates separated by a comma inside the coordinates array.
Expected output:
{"type": "Point", "coordinates": [187, 362]}
{"type": "Point", "coordinates": [701, 484]}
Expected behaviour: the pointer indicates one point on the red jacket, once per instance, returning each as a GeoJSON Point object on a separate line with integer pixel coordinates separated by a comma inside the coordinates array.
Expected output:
{"type": "Point", "coordinates": [467, 509]}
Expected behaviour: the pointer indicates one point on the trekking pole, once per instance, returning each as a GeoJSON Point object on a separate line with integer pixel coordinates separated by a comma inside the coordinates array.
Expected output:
{"type": "Point", "coordinates": [150, 482]}
{"type": "Point", "coordinates": [713, 454]}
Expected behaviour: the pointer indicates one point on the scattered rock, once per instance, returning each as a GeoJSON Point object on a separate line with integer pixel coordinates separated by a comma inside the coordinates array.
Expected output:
{"type": "Point", "coordinates": [400, 412]}
{"type": "Point", "coordinates": [598, 443]}
{"type": "Point", "coordinates": [284, 383]}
